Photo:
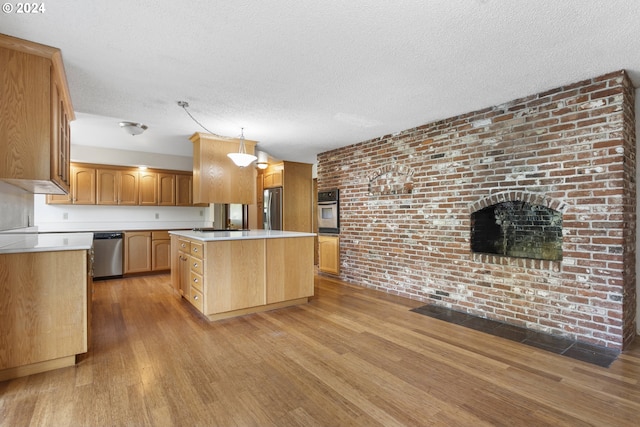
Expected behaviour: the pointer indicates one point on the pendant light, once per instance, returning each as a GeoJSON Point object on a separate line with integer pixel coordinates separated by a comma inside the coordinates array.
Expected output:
{"type": "Point", "coordinates": [242, 158]}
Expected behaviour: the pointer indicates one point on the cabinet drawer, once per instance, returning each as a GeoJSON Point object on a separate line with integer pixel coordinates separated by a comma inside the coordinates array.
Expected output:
{"type": "Point", "coordinates": [159, 235]}
{"type": "Point", "coordinates": [196, 281]}
{"type": "Point", "coordinates": [184, 246]}
{"type": "Point", "coordinates": [196, 299]}
{"type": "Point", "coordinates": [197, 249]}
{"type": "Point", "coordinates": [196, 265]}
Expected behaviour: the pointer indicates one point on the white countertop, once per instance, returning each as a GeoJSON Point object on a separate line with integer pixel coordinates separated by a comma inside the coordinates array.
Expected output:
{"type": "Point", "coordinates": [207, 236]}
{"type": "Point", "coordinates": [44, 242]}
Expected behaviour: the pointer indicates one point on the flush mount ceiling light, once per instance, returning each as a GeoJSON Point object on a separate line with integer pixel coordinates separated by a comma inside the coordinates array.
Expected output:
{"type": "Point", "coordinates": [242, 158]}
{"type": "Point", "coordinates": [132, 128]}
{"type": "Point", "coordinates": [262, 162]}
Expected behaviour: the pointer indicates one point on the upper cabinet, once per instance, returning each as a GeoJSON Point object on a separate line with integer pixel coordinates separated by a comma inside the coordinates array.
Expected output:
{"type": "Point", "coordinates": [82, 190]}
{"type": "Point", "coordinates": [35, 112]}
{"type": "Point", "coordinates": [216, 179]}
{"type": "Point", "coordinates": [125, 186]}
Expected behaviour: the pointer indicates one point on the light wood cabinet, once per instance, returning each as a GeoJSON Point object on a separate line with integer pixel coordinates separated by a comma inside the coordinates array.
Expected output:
{"type": "Point", "coordinates": [285, 282]}
{"type": "Point", "coordinates": [167, 186]}
{"type": "Point", "coordinates": [227, 278]}
{"type": "Point", "coordinates": [272, 178]}
{"type": "Point", "coordinates": [160, 251]}
{"type": "Point", "coordinates": [180, 265]}
{"type": "Point", "coordinates": [146, 251]}
{"type": "Point", "coordinates": [117, 186]}
{"type": "Point", "coordinates": [329, 254]}
{"type": "Point", "coordinates": [184, 190]}
{"type": "Point", "coordinates": [148, 184]}
{"type": "Point", "coordinates": [44, 311]}
{"type": "Point", "coordinates": [82, 190]}
{"type": "Point", "coordinates": [297, 193]}
{"type": "Point", "coordinates": [128, 185]}
{"type": "Point", "coordinates": [137, 252]}
{"type": "Point", "coordinates": [35, 112]}
{"type": "Point", "coordinates": [216, 179]}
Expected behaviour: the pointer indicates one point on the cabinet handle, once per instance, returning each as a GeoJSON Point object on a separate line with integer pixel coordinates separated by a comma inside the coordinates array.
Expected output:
{"type": "Point", "coordinates": [195, 265]}
{"type": "Point", "coordinates": [195, 280]}
{"type": "Point", "coordinates": [195, 297]}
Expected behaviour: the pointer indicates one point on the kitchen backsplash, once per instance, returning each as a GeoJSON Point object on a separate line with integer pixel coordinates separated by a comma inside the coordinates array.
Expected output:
{"type": "Point", "coordinates": [16, 207]}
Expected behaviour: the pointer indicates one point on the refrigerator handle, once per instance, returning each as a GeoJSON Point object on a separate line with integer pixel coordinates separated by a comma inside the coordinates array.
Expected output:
{"type": "Point", "coordinates": [269, 207]}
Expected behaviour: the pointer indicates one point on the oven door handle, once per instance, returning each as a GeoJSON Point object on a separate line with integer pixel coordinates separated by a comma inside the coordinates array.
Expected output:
{"type": "Point", "coordinates": [327, 203]}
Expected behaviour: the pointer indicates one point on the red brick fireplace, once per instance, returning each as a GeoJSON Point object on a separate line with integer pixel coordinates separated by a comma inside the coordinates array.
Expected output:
{"type": "Point", "coordinates": [408, 200]}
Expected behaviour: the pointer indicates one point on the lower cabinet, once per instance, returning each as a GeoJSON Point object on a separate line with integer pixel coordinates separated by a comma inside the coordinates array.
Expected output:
{"type": "Point", "coordinates": [146, 251]}
{"type": "Point", "coordinates": [137, 252]}
{"type": "Point", "coordinates": [44, 312]}
{"type": "Point", "coordinates": [329, 254]}
{"type": "Point", "coordinates": [160, 251]}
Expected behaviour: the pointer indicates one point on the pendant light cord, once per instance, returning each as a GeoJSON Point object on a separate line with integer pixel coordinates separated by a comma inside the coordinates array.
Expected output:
{"type": "Point", "coordinates": [185, 105]}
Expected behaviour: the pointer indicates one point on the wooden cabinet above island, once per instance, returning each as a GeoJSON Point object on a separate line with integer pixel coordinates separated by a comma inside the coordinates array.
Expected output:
{"type": "Point", "coordinates": [230, 273]}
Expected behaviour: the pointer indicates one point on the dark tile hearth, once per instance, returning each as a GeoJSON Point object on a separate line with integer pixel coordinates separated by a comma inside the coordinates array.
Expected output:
{"type": "Point", "coordinates": [585, 352]}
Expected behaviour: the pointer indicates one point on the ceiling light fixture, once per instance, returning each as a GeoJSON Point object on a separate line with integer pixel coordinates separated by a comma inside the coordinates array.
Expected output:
{"type": "Point", "coordinates": [242, 158]}
{"type": "Point", "coordinates": [263, 158]}
{"type": "Point", "coordinates": [133, 128]}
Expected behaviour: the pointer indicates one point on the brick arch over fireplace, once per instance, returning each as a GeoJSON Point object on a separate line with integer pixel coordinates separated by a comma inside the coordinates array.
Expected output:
{"type": "Point", "coordinates": [518, 195]}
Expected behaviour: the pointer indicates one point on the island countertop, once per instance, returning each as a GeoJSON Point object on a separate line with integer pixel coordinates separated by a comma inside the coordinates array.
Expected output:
{"type": "Point", "coordinates": [209, 236]}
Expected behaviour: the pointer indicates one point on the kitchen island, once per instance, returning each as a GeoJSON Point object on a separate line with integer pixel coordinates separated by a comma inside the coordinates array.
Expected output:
{"type": "Point", "coordinates": [230, 273]}
{"type": "Point", "coordinates": [45, 310]}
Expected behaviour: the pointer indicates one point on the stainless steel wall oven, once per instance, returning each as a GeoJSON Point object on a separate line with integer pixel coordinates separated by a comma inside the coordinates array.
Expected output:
{"type": "Point", "coordinates": [329, 211]}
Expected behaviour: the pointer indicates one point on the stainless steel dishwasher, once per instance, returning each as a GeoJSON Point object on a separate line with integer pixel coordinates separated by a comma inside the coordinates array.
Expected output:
{"type": "Point", "coordinates": [107, 252]}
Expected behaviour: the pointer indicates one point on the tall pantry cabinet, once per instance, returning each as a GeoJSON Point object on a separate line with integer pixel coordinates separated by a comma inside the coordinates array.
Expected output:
{"type": "Point", "coordinates": [297, 193]}
{"type": "Point", "coordinates": [35, 112]}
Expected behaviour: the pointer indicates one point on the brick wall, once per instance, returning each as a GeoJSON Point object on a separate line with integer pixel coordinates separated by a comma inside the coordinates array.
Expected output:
{"type": "Point", "coordinates": [406, 201]}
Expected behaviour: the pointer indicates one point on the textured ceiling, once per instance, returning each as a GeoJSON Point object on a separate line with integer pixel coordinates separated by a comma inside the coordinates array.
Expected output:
{"type": "Point", "coordinates": [303, 77]}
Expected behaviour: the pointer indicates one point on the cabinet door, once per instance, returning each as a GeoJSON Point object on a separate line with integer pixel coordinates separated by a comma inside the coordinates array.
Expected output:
{"type": "Point", "coordinates": [329, 254]}
{"type": "Point", "coordinates": [289, 268]}
{"type": "Point", "coordinates": [166, 189]}
{"type": "Point", "coordinates": [128, 187]}
{"type": "Point", "coordinates": [60, 199]}
{"type": "Point", "coordinates": [60, 136]}
{"type": "Point", "coordinates": [160, 251]}
{"type": "Point", "coordinates": [148, 184]}
{"type": "Point", "coordinates": [137, 252]}
{"type": "Point", "coordinates": [234, 275]}
{"type": "Point", "coordinates": [82, 190]}
{"type": "Point", "coordinates": [184, 190]}
{"type": "Point", "coordinates": [106, 187]}
{"type": "Point", "coordinates": [83, 185]}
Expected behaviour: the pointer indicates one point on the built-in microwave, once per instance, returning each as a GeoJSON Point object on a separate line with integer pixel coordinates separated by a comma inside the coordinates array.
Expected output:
{"type": "Point", "coordinates": [329, 212]}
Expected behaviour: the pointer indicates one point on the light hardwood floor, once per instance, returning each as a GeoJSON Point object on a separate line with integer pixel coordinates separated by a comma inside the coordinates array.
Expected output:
{"type": "Point", "coordinates": [350, 357]}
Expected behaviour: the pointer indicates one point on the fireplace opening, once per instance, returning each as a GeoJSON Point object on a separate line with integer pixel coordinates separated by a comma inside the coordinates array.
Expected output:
{"type": "Point", "coordinates": [517, 229]}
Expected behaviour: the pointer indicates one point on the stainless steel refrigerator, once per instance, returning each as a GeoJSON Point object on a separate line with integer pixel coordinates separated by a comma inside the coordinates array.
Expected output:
{"type": "Point", "coordinates": [272, 215]}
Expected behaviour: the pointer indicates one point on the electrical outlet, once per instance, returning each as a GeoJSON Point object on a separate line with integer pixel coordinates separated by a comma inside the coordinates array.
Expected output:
{"type": "Point", "coordinates": [201, 212]}
{"type": "Point", "coordinates": [157, 215]}
{"type": "Point", "coordinates": [65, 215]}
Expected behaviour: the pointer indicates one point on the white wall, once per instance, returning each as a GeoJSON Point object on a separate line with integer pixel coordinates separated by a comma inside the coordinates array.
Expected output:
{"type": "Point", "coordinates": [116, 218]}
{"type": "Point", "coordinates": [16, 207]}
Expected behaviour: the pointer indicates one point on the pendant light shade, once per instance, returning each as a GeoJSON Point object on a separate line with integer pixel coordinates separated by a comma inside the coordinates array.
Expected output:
{"type": "Point", "coordinates": [242, 158]}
